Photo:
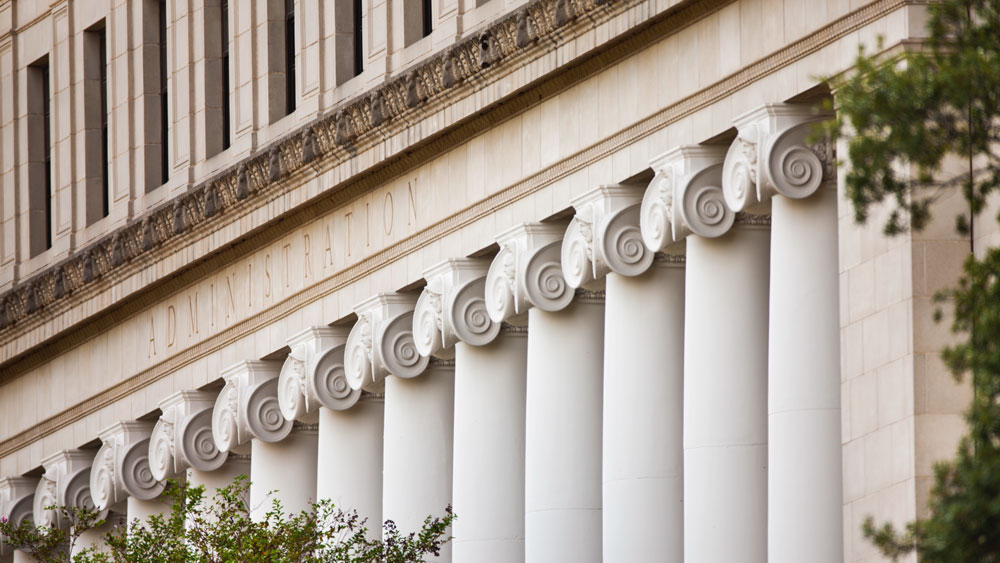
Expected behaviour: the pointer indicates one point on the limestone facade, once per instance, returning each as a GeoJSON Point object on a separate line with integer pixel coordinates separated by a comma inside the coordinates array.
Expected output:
{"type": "Point", "coordinates": [574, 266]}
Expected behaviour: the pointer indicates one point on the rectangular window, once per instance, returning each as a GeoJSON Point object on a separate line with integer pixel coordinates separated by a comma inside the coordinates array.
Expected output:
{"type": "Point", "coordinates": [289, 56]}
{"type": "Point", "coordinates": [357, 36]}
{"type": "Point", "coordinates": [350, 60]}
{"type": "Point", "coordinates": [224, 55]}
{"type": "Point", "coordinates": [154, 94]}
{"type": "Point", "coordinates": [164, 123]}
{"type": "Point", "coordinates": [95, 86]}
{"type": "Point", "coordinates": [39, 159]}
{"type": "Point", "coordinates": [418, 20]}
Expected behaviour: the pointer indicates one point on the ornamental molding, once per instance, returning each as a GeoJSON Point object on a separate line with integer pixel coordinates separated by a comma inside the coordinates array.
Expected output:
{"type": "Point", "coordinates": [247, 407]}
{"type": "Point", "coordinates": [313, 375]}
{"type": "Point", "coordinates": [452, 308]}
{"type": "Point", "coordinates": [66, 482]}
{"type": "Point", "coordinates": [121, 466]}
{"type": "Point", "coordinates": [182, 437]}
{"type": "Point", "coordinates": [16, 498]}
{"type": "Point", "coordinates": [381, 343]}
{"type": "Point", "coordinates": [604, 236]}
{"type": "Point", "coordinates": [773, 154]}
{"type": "Point", "coordinates": [527, 272]}
{"type": "Point", "coordinates": [685, 197]}
{"type": "Point", "coordinates": [511, 41]}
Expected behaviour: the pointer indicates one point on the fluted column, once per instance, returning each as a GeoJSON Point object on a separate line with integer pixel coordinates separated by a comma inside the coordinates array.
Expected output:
{"type": "Point", "coordinates": [643, 373]}
{"type": "Point", "coordinates": [563, 392]}
{"type": "Point", "coordinates": [450, 320]}
{"type": "Point", "coordinates": [121, 479]}
{"type": "Point", "coordinates": [247, 412]}
{"type": "Point", "coordinates": [775, 159]}
{"type": "Point", "coordinates": [16, 498]}
{"type": "Point", "coordinates": [417, 443]}
{"type": "Point", "coordinates": [349, 453]}
{"type": "Point", "coordinates": [725, 354]}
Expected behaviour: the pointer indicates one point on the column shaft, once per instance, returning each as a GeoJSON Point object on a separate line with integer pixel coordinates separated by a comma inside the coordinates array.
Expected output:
{"type": "Point", "coordinates": [643, 433]}
{"type": "Point", "coordinates": [725, 397]}
{"type": "Point", "coordinates": [419, 417]}
{"type": "Point", "coordinates": [285, 471]}
{"type": "Point", "coordinates": [489, 450]}
{"type": "Point", "coordinates": [350, 460]}
{"type": "Point", "coordinates": [563, 433]}
{"type": "Point", "coordinates": [143, 509]}
{"type": "Point", "coordinates": [804, 457]}
{"type": "Point", "coordinates": [224, 476]}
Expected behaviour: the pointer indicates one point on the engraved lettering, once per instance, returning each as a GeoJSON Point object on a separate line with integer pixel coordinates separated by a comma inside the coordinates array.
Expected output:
{"type": "Point", "coordinates": [307, 269]}
{"type": "Point", "coordinates": [151, 351]}
{"type": "Point", "coordinates": [328, 255]}
{"type": "Point", "coordinates": [231, 311]}
{"type": "Point", "coordinates": [267, 274]}
{"type": "Point", "coordinates": [285, 250]}
{"type": "Point", "coordinates": [368, 226]}
{"type": "Point", "coordinates": [249, 285]}
{"type": "Point", "coordinates": [347, 217]}
{"type": "Point", "coordinates": [211, 288]}
{"type": "Point", "coordinates": [388, 213]}
{"type": "Point", "coordinates": [413, 203]}
{"type": "Point", "coordinates": [193, 314]}
{"type": "Point", "coordinates": [171, 325]}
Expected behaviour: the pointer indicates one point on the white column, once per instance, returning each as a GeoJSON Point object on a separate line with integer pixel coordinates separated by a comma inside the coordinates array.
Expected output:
{"type": "Point", "coordinates": [725, 355]}
{"type": "Point", "coordinates": [451, 321]}
{"type": "Point", "coordinates": [350, 459]}
{"type": "Point", "coordinates": [138, 509]}
{"type": "Point", "coordinates": [221, 477]}
{"type": "Point", "coordinates": [247, 411]}
{"type": "Point", "coordinates": [16, 496]}
{"type": "Point", "coordinates": [489, 448]}
{"type": "Point", "coordinates": [796, 174]}
{"type": "Point", "coordinates": [417, 472]}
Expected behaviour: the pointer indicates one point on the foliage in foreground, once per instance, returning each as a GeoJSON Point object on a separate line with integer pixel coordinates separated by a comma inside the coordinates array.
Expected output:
{"type": "Point", "coordinates": [908, 116]}
{"type": "Point", "coordinates": [221, 530]}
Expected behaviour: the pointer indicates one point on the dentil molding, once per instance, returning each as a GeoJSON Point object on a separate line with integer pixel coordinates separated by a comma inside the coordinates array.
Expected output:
{"type": "Point", "coordinates": [685, 197]}
{"type": "Point", "coordinates": [247, 407]}
{"type": "Point", "coordinates": [604, 236]}
{"type": "Point", "coordinates": [313, 374]}
{"type": "Point", "coordinates": [16, 496]}
{"type": "Point", "coordinates": [66, 482]}
{"type": "Point", "coordinates": [381, 342]}
{"type": "Point", "coordinates": [182, 437]}
{"type": "Point", "coordinates": [773, 153]}
{"type": "Point", "coordinates": [121, 466]}
{"type": "Point", "coordinates": [527, 272]}
{"type": "Point", "coordinates": [452, 308]}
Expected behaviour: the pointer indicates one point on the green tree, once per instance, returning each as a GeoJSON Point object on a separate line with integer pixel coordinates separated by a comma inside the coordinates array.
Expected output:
{"type": "Point", "coordinates": [908, 114]}
{"type": "Point", "coordinates": [221, 530]}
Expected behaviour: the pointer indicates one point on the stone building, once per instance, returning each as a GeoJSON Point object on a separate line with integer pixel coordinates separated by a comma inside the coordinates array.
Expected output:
{"type": "Point", "coordinates": [574, 266]}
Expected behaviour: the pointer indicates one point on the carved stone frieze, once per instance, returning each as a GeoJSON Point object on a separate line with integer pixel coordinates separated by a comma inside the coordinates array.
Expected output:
{"type": "Point", "coordinates": [361, 119]}
{"type": "Point", "coordinates": [121, 466]}
{"type": "Point", "coordinates": [313, 375]}
{"type": "Point", "coordinates": [452, 307]}
{"type": "Point", "coordinates": [684, 197]}
{"type": "Point", "coordinates": [16, 497]}
{"type": "Point", "coordinates": [527, 272]}
{"type": "Point", "coordinates": [774, 153]}
{"type": "Point", "coordinates": [182, 437]}
{"type": "Point", "coordinates": [381, 342]}
{"type": "Point", "coordinates": [604, 236]}
{"type": "Point", "coordinates": [66, 482]}
{"type": "Point", "coordinates": [247, 407]}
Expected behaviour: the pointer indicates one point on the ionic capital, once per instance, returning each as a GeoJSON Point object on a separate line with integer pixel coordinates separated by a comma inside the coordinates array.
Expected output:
{"type": "Point", "coordinates": [247, 407]}
{"type": "Point", "coordinates": [313, 374]}
{"type": "Point", "coordinates": [772, 154]}
{"type": "Point", "coordinates": [452, 307]}
{"type": "Point", "coordinates": [182, 437]}
{"type": "Point", "coordinates": [604, 236]}
{"type": "Point", "coordinates": [685, 197]}
{"type": "Point", "coordinates": [66, 482]}
{"type": "Point", "coordinates": [527, 272]}
{"type": "Point", "coordinates": [16, 496]}
{"type": "Point", "coordinates": [381, 342]}
{"type": "Point", "coordinates": [121, 467]}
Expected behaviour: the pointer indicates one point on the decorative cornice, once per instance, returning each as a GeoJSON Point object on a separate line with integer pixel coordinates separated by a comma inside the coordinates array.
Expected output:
{"type": "Point", "coordinates": [452, 307]}
{"type": "Point", "coordinates": [773, 154]}
{"type": "Point", "coordinates": [16, 496]}
{"type": "Point", "coordinates": [584, 294]}
{"type": "Point", "coordinates": [527, 272]}
{"type": "Point", "coordinates": [66, 482]}
{"type": "Point", "coordinates": [366, 119]}
{"type": "Point", "coordinates": [685, 197]}
{"type": "Point", "coordinates": [247, 407]}
{"type": "Point", "coordinates": [663, 25]}
{"type": "Point", "coordinates": [313, 375]}
{"type": "Point", "coordinates": [604, 236]}
{"type": "Point", "coordinates": [121, 466]}
{"type": "Point", "coordinates": [381, 342]}
{"type": "Point", "coordinates": [182, 437]}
